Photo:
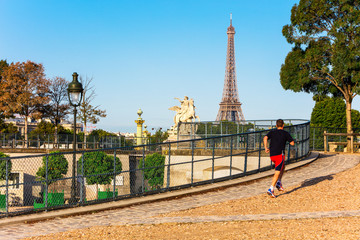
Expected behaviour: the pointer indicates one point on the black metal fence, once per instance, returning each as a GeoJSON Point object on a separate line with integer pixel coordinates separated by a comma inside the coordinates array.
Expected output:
{"type": "Point", "coordinates": [60, 180]}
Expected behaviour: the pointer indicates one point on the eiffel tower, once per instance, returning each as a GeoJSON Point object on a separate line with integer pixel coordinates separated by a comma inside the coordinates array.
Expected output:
{"type": "Point", "coordinates": [230, 106]}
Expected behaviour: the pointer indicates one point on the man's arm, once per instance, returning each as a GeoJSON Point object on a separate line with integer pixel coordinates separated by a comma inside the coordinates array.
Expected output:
{"type": "Point", "coordinates": [266, 144]}
{"type": "Point", "coordinates": [291, 140]}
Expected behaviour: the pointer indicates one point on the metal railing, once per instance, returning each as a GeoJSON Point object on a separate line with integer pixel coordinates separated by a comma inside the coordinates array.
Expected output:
{"type": "Point", "coordinates": [41, 182]}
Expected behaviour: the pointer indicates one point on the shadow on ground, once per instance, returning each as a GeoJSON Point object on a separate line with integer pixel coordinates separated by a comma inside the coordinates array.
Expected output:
{"type": "Point", "coordinates": [310, 182]}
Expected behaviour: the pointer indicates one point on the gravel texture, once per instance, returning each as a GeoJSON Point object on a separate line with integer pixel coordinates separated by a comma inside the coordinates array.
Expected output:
{"type": "Point", "coordinates": [334, 192]}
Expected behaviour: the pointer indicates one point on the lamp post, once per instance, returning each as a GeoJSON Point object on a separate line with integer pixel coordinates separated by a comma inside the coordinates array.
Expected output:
{"type": "Point", "coordinates": [75, 92]}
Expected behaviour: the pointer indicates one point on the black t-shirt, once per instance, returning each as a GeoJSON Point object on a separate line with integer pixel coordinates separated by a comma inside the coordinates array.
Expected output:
{"type": "Point", "coordinates": [278, 139]}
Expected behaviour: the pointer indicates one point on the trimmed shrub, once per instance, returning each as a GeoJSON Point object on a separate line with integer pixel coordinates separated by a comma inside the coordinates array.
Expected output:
{"type": "Point", "coordinates": [96, 163]}
{"type": "Point", "coordinates": [57, 167]}
{"type": "Point", "coordinates": [3, 166]}
{"type": "Point", "coordinates": [153, 169]}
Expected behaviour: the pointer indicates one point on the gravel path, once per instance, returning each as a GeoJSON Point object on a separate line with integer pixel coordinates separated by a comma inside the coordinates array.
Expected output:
{"type": "Point", "coordinates": [229, 213]}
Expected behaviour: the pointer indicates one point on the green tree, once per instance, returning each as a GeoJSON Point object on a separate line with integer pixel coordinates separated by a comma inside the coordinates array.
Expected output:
{"type": "Point", "coordinates": [158, 137]}
{"type": "Point", "coordinates": [330, 112]}
{"type": "Point", "coordinates": [325, 58]}
{"type": "Point", "coordinates": [98, 167]}
{"type": "Point", "coordinates": [99, 133]}
{"type": "Point", "coordinates": [44, 127]}
{"type": "Point", "coordinates": [7, 127]}
{"type": "Point", "coordinates": [3, 166]}
{"type": "Point", "coordinates": [153, 169]}
{"type": "Point", "coordinates": [57, 167]}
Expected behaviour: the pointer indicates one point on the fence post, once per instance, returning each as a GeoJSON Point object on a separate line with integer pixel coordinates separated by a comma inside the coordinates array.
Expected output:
{"type": "Point", "coordinates": [213, 160]}
{"type": "Point", "coordinates": [288, 155]}
{"type": "Point", "coordinates": [143, 172]}
{"type": "Point", "coordinates": [46, 180]}
{"type": "Point", "coordinates": [114, 185]}
{"type": "Point", "coordinates": [168, 171]}
{"type": "Point", "coordinates": [259, 164]}
{"type": "Point", "coordinates": [205, 135]}
{"type": "Point", "coordinates": [246, 152]}
{"type": "Point", "coordinates": [325, 142]}
{"type": "Point", "coordinates": [221, 134]}
{"type": "Point", "coordinates": [231, 153]}
{"type": "Point", "coordinates": [177, 135]}
{"type": "Point", "coordinates": [82, 179]}
{"type": "Point", "coordinates": [192, 162]}
{"type": "Point", "coordinates": [7, 186]}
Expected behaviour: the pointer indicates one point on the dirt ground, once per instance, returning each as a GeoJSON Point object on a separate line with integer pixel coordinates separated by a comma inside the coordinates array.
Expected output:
{"type": "Point", "coordinates": [336, 192]}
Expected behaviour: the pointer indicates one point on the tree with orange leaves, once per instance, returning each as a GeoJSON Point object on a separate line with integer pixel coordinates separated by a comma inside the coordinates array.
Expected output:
{"type": "Point", "coordinates": [23, 90]}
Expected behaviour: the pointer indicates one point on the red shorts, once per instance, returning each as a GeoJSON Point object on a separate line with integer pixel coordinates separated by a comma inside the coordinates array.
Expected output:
{"type": "Point", "coordinates": [279, 161]}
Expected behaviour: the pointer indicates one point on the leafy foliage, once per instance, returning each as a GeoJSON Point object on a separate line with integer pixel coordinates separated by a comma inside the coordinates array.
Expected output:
{"type": "Point", "coordinates": [7, 127]}
{"type": "Point", "coordinates": [3, 65]}
{"type": "Point", "coordinates": [325, 58]}
{"type": "Point", "coordinates": [3, 166]}
{"type": "Point", "coordinates": [158, 137]}
{"type": "Point", "coordinates": [330, 112]}
{"type": "Point", "coordinates": [153, 168]}
{"type": "Point", "coordinates": [96, 163]}
{"type": "Point", "coordinates": [23, 90]}
{"type": "Point", "coordinates": [226, 127]}
{"type": "Point", "coordinates": [99, 133]}
{"type": "Point", "coordinates": [57, 167]}
{"type": "Point", "coordinates": [45, 127]}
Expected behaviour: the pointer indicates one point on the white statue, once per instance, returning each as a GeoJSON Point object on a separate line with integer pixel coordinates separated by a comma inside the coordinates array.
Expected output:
{"type": "Point", "coordinates": [185, 113]}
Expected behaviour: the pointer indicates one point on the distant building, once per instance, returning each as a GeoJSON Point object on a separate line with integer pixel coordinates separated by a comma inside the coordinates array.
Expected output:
{"type": "Point", "coordinates": [70, 126]}
{"type": "Point", "coordinates": [19, 122]}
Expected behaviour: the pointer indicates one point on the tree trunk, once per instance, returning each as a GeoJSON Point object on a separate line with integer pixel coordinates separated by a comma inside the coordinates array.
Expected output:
{"type": "Point", "coordinates": [26, 131]}
{"type": "Point", "coordinates": [348, 124]}
{"type": "Point", "coordinates": [85, 133]}
{"type": "Point", "coordinates": [55, 137]}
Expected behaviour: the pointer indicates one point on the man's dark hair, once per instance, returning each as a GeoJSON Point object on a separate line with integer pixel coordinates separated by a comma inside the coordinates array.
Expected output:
{"type": "Point", "coordinates": [279, 123]}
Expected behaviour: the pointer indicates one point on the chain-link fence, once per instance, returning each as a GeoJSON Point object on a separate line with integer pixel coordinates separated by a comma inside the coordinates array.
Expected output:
{"type": "Point", "coordinates": [64, 179]}
{"type": "Point", "coordinates": [63, 141]}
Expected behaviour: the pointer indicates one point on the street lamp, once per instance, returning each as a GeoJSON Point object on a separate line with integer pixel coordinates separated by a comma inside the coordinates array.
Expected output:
{"type": "Point", "coordinates": [75, 92]}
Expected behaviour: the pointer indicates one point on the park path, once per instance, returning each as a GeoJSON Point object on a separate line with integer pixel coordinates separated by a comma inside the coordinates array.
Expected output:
{"type": "Point", "coordinates": [324, 166]}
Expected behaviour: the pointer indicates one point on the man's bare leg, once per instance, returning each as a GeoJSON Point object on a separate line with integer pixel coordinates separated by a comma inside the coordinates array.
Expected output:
{"type": "Point", "coordinates": [275, 178]}
{"type": "Point", "coordinates": [281, 173]}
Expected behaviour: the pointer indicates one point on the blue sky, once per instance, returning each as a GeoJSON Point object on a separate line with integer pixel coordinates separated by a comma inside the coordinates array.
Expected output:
{"type": "Point", "coordinates": [142, 54]}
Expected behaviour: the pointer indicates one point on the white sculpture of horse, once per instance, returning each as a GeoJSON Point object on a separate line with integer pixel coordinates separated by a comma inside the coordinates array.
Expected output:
{"type": "Point", "coordinates": [185, 113]}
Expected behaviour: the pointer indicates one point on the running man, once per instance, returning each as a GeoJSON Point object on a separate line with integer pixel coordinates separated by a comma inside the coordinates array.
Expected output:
{"type": "Point", "coordinates": [278, 138]}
